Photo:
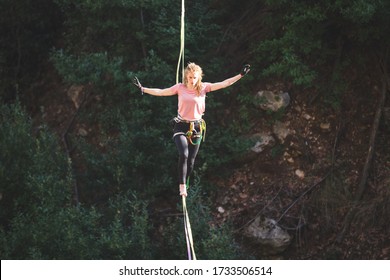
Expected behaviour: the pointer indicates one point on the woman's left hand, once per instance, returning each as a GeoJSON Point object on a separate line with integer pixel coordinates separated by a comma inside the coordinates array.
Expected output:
{"type": "Point", "coordinates": [245, 70]}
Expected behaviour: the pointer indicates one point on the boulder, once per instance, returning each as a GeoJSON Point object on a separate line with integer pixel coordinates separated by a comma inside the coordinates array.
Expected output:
{"type": "Point", "coordinates": [281, 130]}
{"type": "Point", "coordinates": [266, 233]}
{"type": "Point", "coordinates": [261, 141]}
{"type": "Point", "coordinates": [273, 100]}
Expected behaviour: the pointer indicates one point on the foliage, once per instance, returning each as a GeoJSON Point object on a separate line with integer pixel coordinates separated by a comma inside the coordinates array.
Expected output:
{"type": "Point", "coordinates": [133, 162]}
{"type": "Point", "coordinates": [215, 242]}
{"type": "Point", "coordinates": [211, 242]}
{"type": "Point", "coordinates": [307, 37]}
{"type": "Point", "coordinates": [39, 222]}
{"type": "Point", "coordinates": [331, 200]}
{"type": "Point", "coordinates": [80, 233]}
{"type": "Point", "coordinates": [95, 68]}
{"type": "Point", "coordinates": [37, 219]}
{"type": "Point", "coordinates": [129, 159]}
{"type": "Point", "coordinates": [34, 173]}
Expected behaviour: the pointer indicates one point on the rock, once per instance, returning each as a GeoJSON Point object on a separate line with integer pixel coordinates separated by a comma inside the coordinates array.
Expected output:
{"type": "Point", "coordinates": [298, 109]}
{"type": "Point", "coordinates": [82, 132]}
{"type": "Point", "coordinates": [243, 195]}
{"type": "Point", "coordinates": [288, 157]}
{"type": "Point", "coordinates": [266, 232]}
{"type": "Point", "coordinates": [306, 117]}
{"type": "Point", "coordinates": [262, 140]}
{"type": "Point", "coordinates": [290, 160]}
{"type": "Point", "coordinates": [281, 130]}
{"type": "Point", "coordinates": [300, 173]}
{"type": "Point", "coordinates": [273, 100]}
{"type": "Point", "coordinates": [76, 94]}
{"type": "Point", "coordinates": [325, 126]}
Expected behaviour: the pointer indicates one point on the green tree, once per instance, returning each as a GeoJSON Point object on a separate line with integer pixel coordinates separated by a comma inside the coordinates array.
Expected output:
{"type": "Point", "coordinates": [310, 42]}
{"type": "Point", "coordinates": [34, 172]}
{"type": "Point", "coordinates": [37, 218]}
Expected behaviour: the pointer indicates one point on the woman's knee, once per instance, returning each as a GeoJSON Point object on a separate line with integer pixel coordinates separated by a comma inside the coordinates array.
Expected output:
{"type": "Point", "coordinates": [182, 146]}
{"type": "Point", "coordinates": [183, 155]}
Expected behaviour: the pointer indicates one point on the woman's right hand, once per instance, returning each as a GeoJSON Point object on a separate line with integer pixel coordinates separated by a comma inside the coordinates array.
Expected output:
{"type": "Point", "coordinates": [138, 84]}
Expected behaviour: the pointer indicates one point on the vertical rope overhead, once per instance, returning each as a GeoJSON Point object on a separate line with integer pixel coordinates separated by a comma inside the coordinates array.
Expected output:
{"type": "Point", "coordinates": [187, 225]}
{"type": "Point", "coordinates": [181, 54]}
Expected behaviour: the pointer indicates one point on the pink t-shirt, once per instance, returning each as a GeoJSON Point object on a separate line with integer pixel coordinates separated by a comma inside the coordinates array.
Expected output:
{"type": "Point", "coordinates": [191, 106]}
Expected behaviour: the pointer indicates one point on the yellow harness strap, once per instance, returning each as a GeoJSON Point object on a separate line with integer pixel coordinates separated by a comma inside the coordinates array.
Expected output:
{"type": "Point", "coordinates": [202, 132]}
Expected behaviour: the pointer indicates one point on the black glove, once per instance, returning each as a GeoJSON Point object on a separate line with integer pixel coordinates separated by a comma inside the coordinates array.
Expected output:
{"type": "Point", "coordinates": [138, 84]}
{"type": "Point", "coordinates": [245, 69]}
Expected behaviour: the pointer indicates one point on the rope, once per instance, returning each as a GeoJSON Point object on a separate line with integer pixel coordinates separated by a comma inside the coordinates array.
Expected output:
{"type": "Point", "coordinates": [181, 54]}
{"type": "Point", "coordinates": [187, 225]}
{"type": "Point", "coordinates": [187, 229]}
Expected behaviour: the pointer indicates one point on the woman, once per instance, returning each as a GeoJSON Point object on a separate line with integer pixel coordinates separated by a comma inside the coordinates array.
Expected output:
{"type": "Point", "coordinates": [189, 126]}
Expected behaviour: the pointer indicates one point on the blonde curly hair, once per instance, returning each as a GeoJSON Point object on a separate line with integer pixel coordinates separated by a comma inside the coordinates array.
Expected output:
{"type": "Point", "coordinates": [194, 68]}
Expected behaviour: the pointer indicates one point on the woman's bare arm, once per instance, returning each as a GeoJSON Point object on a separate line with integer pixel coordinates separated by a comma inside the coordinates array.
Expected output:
{"type": "Point", "coordinates": [153, 91]}
{"type": "Point", "coordinates": [225, 83]}
{"type": "Point", "coordinates": [158, 91]}
{"type": "Point", "coordinates": [228, 82]}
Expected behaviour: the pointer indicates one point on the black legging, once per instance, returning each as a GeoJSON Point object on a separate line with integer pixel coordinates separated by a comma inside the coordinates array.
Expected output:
{"type": "Point", "coordinates": [187, 151]}
{"type": "Point", "coordinates": [187, 155]}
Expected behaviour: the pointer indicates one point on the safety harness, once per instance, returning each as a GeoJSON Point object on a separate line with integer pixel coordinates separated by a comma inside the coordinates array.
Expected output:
{"type": "Point", "coordinates": [194, 137]}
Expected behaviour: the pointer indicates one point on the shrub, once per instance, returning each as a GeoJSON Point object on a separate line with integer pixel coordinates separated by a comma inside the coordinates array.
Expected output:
{"type": "Point", "coordinates": [210, 241]}
{"type": "Point", "coordinates": [34, 172]}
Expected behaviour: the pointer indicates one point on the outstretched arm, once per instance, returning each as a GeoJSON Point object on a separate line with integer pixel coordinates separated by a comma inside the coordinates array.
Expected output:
{"type": "Point", "coordinates": [158, 91]}
{"type": "Point", "coordinates": [225, 83]}
{"type": "Point", "coordinates": [153, 91]}
{"type": "Point", "coordinates": [232, 80]}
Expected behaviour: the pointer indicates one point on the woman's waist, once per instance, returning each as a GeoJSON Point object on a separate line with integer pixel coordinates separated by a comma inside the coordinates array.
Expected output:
{"type": "Point", "coordinates": [183, 120]}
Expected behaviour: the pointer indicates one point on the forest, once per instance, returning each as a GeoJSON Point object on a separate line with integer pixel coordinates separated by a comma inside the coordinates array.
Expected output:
{"type": "Point", "coordinates": [87, 162]}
